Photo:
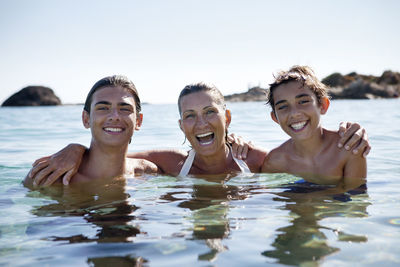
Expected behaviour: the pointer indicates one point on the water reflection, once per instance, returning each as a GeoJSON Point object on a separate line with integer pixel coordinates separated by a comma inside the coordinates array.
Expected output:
{"type": "Point", "coordinates": [102, 204]}
{"type": "Point", "coordinates": [209, 206]}
{"type": "Point", "coordinates": [305, 240]}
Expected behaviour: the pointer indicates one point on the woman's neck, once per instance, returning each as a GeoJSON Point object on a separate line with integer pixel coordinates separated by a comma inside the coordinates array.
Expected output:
{"type": "Point", "coordinates": [220, 162]}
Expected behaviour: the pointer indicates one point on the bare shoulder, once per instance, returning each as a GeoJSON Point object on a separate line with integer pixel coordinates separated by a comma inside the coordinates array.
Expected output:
{"type": "Point", "coordinates": [255, 159]}
{"type": "Point", "coordinates": [276, 160]}
{"type": "Point", "coordinates": [142, 166]}
{"type": "Point", "coordinates": [168, 161]}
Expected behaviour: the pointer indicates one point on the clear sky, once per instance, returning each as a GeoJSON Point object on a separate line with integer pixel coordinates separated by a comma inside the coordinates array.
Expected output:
{"type": "Point", "coordinates": [162, 45]}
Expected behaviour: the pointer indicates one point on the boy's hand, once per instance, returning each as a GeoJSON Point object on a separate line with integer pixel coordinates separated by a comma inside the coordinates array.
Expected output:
{"type": "Point", "coordinates": [240, 148]}
{"type": "Point", "coordinates": [354, 137]}
{"type": "Point", "coordinates": [65, 163]}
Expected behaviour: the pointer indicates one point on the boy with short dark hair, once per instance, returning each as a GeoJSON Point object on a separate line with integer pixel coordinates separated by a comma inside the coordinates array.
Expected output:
{"type": "Point", "coordinates": [298, 99]}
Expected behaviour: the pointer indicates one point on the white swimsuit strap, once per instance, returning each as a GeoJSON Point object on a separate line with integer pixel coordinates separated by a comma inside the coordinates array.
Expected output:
{"type": "Point", "coordinates": [242, 165]}
{"type": "Point", "coordinates": [188, 163]}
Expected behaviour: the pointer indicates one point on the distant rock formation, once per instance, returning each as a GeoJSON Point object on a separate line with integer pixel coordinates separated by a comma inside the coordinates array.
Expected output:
{"type": "Point", "coordinates": [33, 96]}
{"type": "Point", "coordinates": [350, 86]}
{"type": "Point", "coordinates": [357, 86]}
{"type": "Point", "coordinates": [253, 94]}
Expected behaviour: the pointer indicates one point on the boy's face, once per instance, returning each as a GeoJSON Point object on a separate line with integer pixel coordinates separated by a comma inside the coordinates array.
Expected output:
{"type": "Point", "coordinates": [112, 119]}
{"type": "Point", "coordinates": [297, 110]}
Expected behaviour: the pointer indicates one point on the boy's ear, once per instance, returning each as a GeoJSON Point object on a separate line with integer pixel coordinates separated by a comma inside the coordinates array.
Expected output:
{"type": "Point", "coordinates": [86, 119]}
{"type": "Point", "coordinates": [273, 117]}
{"type": "Point", "coordinates": [139, 120]}
{"type": "Point", "coordinates": [325, 102]}
{"type": "Point", "coordinates": [228, 117]}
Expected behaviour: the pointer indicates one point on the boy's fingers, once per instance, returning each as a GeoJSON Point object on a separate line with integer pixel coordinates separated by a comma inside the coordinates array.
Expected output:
{"type": "Point", "coordinates": [53, 177]}
{"type": "Point", "coordinates": [342, 128]}
{"type": "Point", "coordinates": [32, 173]}
{"type": "Point", "coordinates": [352, 133]}
{"type": "Point", "coordinates": [234, 149]}
{"type": "Point", "coordinates": [40, 160]}
{"type": "Point", "coordinates": [245, 151]}
{"type": "Point", "coordinates": [67, 177]}
{"type": "Point", "coordinates": [366, 152]}
{"type": "Point", "coordinates": [41, 175]}
{"type": "Point", "coordinates": [355, 139]}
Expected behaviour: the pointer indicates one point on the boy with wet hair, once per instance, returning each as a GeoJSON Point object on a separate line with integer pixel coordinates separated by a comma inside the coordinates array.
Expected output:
{"type": "Point", "coordinates": [112, 113]}
{"type": "Point", "coordinates": [298, 99]}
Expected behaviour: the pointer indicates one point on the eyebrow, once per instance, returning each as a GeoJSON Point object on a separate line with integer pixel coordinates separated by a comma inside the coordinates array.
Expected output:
{"type": "Point", "coordinates": [302, 95]}
{"type": "Point", "coordinates": [108, 103]}
{"type": "Point", "coordinates": [297, 96]}
{"type": "Point", "coordinates": [102, 103]}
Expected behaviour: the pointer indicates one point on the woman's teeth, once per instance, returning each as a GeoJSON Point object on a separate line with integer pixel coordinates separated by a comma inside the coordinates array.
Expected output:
{"type": "Point", "coordinates": [205, 138]}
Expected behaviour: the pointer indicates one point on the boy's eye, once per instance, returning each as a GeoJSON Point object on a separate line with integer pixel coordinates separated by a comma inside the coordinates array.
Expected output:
{"type": "Point", "coordinates": [102, 108]}
{"type": "Point", "coordinates": [282, 107]}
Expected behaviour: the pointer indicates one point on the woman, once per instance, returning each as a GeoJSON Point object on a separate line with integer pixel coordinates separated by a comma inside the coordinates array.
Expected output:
{"type": "Point", "coordinates": [204, 120]}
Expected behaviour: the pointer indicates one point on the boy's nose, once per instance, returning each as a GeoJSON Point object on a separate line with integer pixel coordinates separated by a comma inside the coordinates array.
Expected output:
{"type": "Point", "coordinates": [114, 114]}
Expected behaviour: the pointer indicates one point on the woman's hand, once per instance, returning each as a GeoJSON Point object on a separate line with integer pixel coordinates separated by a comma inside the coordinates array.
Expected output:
{"type": "Point", "coordinates": [65, 164]}
{"type": "Point", "coordinates": [354, 137]}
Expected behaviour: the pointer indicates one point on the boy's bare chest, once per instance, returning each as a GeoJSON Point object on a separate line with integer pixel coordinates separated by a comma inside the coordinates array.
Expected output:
{"type": "Point", "coordinates": [326, 168]}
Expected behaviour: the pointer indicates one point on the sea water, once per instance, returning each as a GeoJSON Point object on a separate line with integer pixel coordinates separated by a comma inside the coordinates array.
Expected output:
{"type": "Point", "coordinates": [257, 220]}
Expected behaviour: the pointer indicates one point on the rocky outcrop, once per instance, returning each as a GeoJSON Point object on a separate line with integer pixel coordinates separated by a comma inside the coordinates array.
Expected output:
{"type": "Point", "coordinates": [33, 96]}
{"type": "Point", "coordinates": [253, 94]}
{"type": "Point", "coordinates": [357, 86]}
{"type": "Point", "coordinates": [350, 86]}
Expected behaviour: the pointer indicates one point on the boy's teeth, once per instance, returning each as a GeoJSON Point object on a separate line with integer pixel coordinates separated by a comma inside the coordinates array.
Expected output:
{"type": "Point", "coordinates": [113, 129]}
{"type": "Point", "coordinates": [298, 125]}
{"type": "Point", "coordinates": [204, 135]}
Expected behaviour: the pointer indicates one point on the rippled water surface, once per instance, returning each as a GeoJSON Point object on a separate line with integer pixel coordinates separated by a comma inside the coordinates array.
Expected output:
{"type": "Point", "coordinates": [261, 219]}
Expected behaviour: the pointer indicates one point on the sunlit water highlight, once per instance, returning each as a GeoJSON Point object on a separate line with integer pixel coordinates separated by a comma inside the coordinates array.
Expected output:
{"type": "Point", "coordinates": [168, 221]}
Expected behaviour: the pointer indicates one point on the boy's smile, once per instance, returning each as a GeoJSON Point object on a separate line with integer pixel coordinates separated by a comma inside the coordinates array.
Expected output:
{"type": "Point", "coordinates": [297, 109]}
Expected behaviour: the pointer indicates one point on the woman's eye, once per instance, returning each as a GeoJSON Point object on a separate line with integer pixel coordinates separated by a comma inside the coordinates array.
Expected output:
{"type": "Point", "coordinates": [188, 116]}
{"type": "Point", "coordinates": [102, 108]}
{"type": "Point", "coordinates": [210, 111]}
{"type": "Point", "coordinates": [304, 101]}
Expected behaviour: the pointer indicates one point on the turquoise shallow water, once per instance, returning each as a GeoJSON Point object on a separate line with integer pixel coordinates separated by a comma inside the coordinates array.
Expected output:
{"type": "Point", "coordinates": [166, 221]}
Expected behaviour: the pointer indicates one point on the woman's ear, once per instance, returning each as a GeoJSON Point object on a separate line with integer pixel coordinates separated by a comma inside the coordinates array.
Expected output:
{"type": "Point", "coordinates": [139, 120]}
{"type": "Point", "coordinates": [228, 117]}
{"type": "Point", "coordinates": [86, 119]}
{"type": "Point", "coordinates": [274, 118]}
{"type": "Point", "coordinates": [180, 125]}
{"type": "Point", "coordinates": [325, 102]}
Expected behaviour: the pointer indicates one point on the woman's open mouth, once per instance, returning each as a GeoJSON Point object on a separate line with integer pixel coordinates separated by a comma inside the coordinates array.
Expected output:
{"type": "Point", "coordinates": [205, 138]}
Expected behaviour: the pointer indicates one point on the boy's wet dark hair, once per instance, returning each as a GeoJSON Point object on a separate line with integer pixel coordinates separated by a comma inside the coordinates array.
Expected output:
{"type": "Point", "coordinates": [200, 87]}
{"type": "Point", "coordinates": [114, 81]}
{"type": "Point", "coordinates": [302, 74]}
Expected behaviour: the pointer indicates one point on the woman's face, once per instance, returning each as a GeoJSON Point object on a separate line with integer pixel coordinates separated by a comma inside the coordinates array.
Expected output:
{"type": "Point", "coordinates": [204, 122]}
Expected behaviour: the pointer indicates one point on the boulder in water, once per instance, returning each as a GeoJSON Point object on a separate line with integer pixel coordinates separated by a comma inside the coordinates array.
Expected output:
{"type": "Point", "coordinates": [33, 96]}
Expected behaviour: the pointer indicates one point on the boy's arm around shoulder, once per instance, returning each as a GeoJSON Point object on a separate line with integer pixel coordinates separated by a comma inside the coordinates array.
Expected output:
{"type": "Point", "coordinates": [255, 158]}
{"type": "Point", "coordinates": [166, 160]}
